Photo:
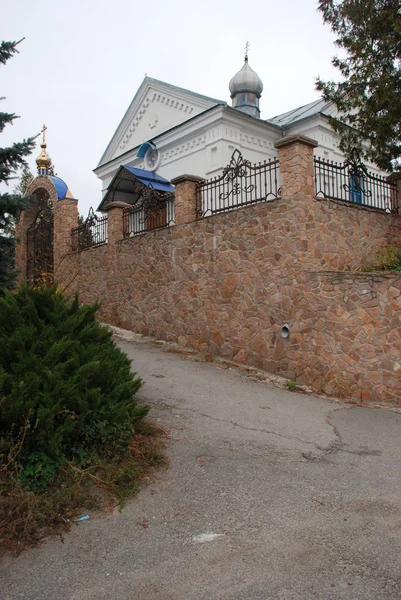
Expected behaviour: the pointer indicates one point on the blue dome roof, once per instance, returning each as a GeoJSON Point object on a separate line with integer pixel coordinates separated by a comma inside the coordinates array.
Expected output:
{"type": "Point", "coordinates": [61, 187]}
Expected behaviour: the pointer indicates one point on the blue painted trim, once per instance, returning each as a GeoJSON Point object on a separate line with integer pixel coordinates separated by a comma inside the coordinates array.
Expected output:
{"type": "Point", "coordinates": [144, 148]}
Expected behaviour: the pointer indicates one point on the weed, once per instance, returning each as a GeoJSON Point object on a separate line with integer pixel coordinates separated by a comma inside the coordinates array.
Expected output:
{"type": "Point", "coordinates": [389, 259]}
{"type": "Point", "coordinates": [292, 385]}
{"type": "Point", "coordinates": [27, 516]}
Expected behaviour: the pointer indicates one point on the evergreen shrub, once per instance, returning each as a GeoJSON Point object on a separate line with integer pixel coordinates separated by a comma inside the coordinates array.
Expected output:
{"type": "Point", "coordinates": [67, 392]}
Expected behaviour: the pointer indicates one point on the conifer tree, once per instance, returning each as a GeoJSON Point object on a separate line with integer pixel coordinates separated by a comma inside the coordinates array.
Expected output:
{"type": "Point", "coordinates": [62, 378]}
{"type": "Point", "coordinates": [11, 159]}
{"type": "Point", "coordinates": [369, 98]}
{"type": "Point", "coordinates": [20, 189]}
{"type": "Point", "coordinates": [25, 180]}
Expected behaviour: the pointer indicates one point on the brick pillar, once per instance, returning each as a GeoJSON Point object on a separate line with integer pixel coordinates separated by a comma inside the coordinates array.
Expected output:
{"type": "Point", "coordinates": [296, 165]}
{"type": "Point", "coordinates": [185, 198]}
{"type": "Point", "coordinates": [394, 237]}
{"type": "Point", "coordinates": [395, 179]}
{"type": "Point", "coordinates": [115, 230]}
{"type": "Point", "coordinates": [65, 219]}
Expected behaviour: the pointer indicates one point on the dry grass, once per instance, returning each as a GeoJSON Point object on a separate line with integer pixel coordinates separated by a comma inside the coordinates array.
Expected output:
{"type": "Point", "coordinates": [28, 518]}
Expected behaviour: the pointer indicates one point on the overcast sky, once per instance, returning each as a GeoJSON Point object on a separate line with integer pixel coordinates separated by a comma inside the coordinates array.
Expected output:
{"type": "Point", "coordinates": [83, 60]}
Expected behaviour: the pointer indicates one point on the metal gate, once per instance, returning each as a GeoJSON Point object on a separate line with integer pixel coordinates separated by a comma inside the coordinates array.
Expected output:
{"type": "Point", "coordinates": [40, 246]}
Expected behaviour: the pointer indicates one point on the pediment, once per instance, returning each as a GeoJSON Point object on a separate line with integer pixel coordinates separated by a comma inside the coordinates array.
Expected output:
{"type": "Point", "coordinates": [156, 107]}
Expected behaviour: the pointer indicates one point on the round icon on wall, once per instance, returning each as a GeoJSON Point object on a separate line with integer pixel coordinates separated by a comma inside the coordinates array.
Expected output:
{"type": "Point", "coordinates": [152, 159]}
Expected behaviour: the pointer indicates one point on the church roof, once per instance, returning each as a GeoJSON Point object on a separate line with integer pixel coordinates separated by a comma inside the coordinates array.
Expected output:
{"type": "Point", "coordinates": [181, 89]}
{"type": "Point", "coordinates": [246, 80]}
{"type": "Point", "coordinates": [312, 109]}
{"type": "Point", "coordinates": [62, 189]}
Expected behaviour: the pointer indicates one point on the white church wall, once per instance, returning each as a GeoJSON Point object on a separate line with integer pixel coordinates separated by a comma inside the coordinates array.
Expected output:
{"type": "Point", "coordinates": [203, 147]}
{"type": "Point", "coordinates": [162, 113]}
{"type": "Point", "coordinates": [157, 118]}
{"type": "Point", "coordinates": [320, 130]}
{"type": "Point", "coordinates": [157, 107]}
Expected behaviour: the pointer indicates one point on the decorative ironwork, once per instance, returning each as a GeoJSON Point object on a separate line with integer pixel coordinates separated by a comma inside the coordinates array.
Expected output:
{"type": "Point", "coordinates": [39, 238]}
{"type": "Point", "coordinates": [240, 184]}
{"type": "Point", "coordinates": [351, 182]}
{"type": "Point", "coordinates": [92, 232]}
{"type": "Point", "coordinates": [154, 210]}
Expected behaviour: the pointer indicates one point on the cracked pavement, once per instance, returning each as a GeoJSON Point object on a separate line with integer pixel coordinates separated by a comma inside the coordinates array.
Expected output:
{"type": "Point", "coordinates": [270, 495]}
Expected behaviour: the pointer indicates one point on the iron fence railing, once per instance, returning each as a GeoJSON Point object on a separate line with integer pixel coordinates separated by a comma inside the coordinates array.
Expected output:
{"type": "Point", "coordinates": [92, 232]}
{"type": "Point", "coordinates": [240, 184]}
{"type": "Point", "coordinates": [154, 212]}
{"type": "Point", "coordinates": [351, 182]}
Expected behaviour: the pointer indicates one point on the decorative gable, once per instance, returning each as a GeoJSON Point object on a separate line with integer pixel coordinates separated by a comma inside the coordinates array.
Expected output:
{"type": "Point", "coordinates": [156, 107]}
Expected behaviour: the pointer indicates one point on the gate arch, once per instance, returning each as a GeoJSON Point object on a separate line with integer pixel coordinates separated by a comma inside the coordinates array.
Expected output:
{"type": "Point", "coordinates": [43, 229]}
{"type": "Point", "coordinates": [39, 242]}
{"type": "Point", "coordinates": [35, 231]}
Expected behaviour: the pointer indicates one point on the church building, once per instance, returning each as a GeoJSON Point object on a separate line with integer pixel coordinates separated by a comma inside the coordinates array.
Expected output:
{"type": "Point", "coordinates": [171, 131]}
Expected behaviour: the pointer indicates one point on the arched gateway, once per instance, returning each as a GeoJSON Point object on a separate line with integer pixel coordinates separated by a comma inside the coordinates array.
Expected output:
{"type": "Point", "coordinates": [39, 227]}
{"type": "Point", "coordinates": [39, 241]}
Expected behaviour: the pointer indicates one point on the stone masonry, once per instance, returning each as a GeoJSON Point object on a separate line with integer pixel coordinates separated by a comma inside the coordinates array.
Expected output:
{"type": "Point", "coordinates": [65, 218]}
{"type": "Point", "coordinates": [227, 284]}
{"type": "Point", "coordinates": [185, 198]}
{"type": "Point", "coordinates": [296, 165]}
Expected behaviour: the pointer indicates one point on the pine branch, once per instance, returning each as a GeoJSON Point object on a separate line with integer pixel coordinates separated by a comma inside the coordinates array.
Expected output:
{"type": "Point", "coordinates": [12, 158]}
{"type": "Point", "coordinates": [6, 119]}
{"type": "Point", "coordinates": [8, 49]}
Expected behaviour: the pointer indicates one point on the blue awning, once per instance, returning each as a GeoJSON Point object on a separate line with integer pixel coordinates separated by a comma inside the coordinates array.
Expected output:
{"type": "Point", "coordinates": [150, 177]}
{"type": "Point", "coordinates": [128, 185]}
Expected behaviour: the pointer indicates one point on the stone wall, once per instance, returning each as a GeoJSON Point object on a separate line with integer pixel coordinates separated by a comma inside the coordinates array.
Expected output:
{"type": "Point", "coordinates": [345, 334]}
{"type": "Point", "coordinates": [228, 283]}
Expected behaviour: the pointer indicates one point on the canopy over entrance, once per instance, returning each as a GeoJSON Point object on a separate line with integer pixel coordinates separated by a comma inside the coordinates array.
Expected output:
{"type": "Point", "coordinates": [130, 185]}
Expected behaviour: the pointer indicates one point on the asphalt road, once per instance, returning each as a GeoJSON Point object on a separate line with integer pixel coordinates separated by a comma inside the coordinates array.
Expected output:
{"type": "Point", "coordinates": [271, 495]}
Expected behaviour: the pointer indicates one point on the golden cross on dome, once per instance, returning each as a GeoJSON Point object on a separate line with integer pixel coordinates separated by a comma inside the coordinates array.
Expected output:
{"type": "Point", "coordinates": [43, 132]}
{"type": "Point", "coordinates": [247, 48]}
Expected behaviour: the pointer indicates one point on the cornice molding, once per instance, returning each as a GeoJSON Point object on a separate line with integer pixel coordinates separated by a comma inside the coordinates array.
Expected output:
{"type": "Point", "coordinates": [152, 92]}
{"type": "Point", "coordinates": [257, 141]}
{"type": "Point", "coordinates": [181, 148]}
{"type": "Point", "coordinates": [202, 131]}
{"type": "Point", "coordinates": [155, 97]}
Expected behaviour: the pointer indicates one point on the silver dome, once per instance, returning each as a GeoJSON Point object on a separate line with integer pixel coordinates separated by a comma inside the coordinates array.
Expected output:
{"type": "Point", "coordinates": [246, 80]}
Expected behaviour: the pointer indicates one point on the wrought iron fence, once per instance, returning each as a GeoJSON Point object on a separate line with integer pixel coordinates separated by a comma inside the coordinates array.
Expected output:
{"type": "Point", "coordinates": [92, 232]}
{"type": "Point", "coordinates": [351, 182]}
{"type": "Point", "coordinates": [240, 184]}
{"type": "Point", "coordinates": [155, 210]}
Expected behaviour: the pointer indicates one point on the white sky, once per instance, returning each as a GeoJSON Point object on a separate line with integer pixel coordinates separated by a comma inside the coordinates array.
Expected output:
{"type": "Point", "coordinates": [83, 60]}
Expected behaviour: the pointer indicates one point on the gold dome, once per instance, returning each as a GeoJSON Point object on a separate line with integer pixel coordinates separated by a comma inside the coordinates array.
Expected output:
{"type": "Point", "coordinates": [43, 161]}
